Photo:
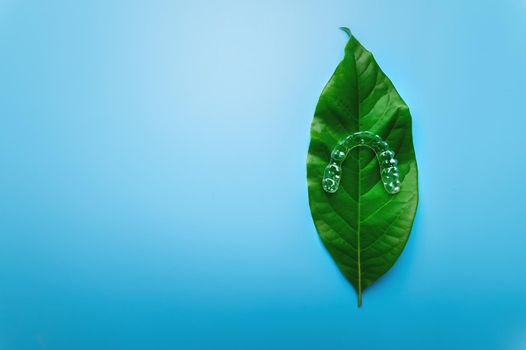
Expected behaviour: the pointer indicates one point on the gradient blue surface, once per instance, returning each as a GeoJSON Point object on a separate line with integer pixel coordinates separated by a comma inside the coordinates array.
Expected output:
{"type": "Point", "coordinates": [153, 191]}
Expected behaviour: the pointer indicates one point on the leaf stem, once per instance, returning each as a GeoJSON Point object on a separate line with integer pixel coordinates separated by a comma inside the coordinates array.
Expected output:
{"type": "Point", "coordinates": [360, 298]}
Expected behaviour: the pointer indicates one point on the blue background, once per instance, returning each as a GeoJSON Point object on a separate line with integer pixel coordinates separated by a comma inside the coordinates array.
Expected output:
{"type": "Point", "coordinates": [152, 182]}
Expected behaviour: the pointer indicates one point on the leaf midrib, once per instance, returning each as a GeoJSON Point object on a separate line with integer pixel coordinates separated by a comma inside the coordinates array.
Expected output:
{"type": "Point", "coordinates": [359, 189]}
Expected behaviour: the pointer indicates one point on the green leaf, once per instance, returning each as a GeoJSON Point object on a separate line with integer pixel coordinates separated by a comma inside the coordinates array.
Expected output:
{"type": "Point", "coordinates": [362, 226]}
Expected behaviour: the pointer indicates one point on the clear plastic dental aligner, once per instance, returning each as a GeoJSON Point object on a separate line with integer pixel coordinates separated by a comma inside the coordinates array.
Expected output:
{"type": "Point", "coordinates": [388, 164]}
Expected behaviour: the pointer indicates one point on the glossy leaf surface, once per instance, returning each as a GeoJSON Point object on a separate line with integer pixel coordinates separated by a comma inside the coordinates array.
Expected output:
{"type": "Point", "coordinates": [363, 227]}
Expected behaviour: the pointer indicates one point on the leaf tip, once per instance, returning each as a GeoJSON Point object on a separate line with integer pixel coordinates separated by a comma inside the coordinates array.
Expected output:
{"type": "Point", "coordinates": [347, 31]}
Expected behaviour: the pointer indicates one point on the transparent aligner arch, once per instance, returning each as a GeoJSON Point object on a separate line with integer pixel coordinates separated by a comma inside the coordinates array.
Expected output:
{"type": "Point", "coordinates": [388, 164]}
